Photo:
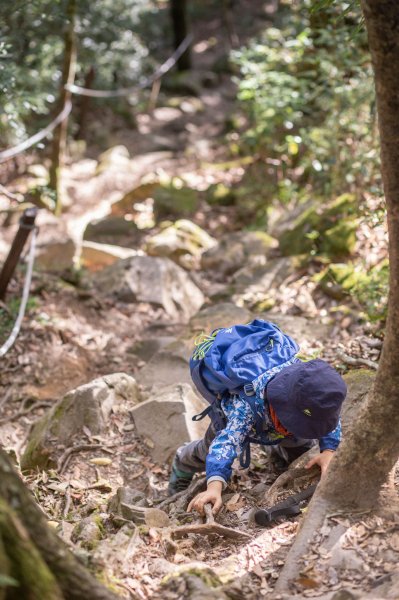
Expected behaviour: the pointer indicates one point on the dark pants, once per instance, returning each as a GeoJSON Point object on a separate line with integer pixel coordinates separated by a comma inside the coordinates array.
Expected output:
{"type": "Point", "coordinates": [191, 457]}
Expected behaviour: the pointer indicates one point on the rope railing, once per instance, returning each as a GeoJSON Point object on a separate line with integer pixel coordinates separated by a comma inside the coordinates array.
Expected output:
{"type": "Point", "coordinates": [81, 91]}
{"type": "Point", "coordinates": [164, 68]}
{"type": "Point", "coordinates": [38, 137]}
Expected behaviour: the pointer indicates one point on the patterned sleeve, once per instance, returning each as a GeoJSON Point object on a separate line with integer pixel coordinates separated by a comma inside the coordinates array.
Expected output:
{"type": "Point", "coordinates": [229, 442]}
{"type": "Point", "coordinates": [331, 440]}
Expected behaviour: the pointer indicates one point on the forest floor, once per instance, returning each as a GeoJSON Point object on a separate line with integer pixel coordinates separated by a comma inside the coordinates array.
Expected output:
{"type": "Point", "coordinates": [71, 336]}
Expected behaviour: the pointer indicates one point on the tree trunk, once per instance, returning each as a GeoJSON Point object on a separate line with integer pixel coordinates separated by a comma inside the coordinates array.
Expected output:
{"type": "Point", "coordinates": [36, 557]}
{"type": "Point", "coordinates": [178, 12]}
{"type": "Point", "coordinates": [368, 453]}
{"type": "Point", "coordinates": [60, 133]}
{"type": "Point", "coordinates": [84, 104]}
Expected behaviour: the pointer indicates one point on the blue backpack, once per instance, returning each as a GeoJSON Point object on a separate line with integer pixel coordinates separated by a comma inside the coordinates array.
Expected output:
{"type": "Point", "coordinates": [231, 361]}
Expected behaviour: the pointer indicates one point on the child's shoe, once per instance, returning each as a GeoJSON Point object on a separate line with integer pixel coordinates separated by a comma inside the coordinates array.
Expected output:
{"type": "Point", "coordinates": [178, 480]}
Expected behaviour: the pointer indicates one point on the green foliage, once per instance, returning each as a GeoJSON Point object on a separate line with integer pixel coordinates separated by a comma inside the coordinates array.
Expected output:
{"type": "Point", "coordinates": [308, 91]}
{"type": "Point", "coordinates": [113, 36]}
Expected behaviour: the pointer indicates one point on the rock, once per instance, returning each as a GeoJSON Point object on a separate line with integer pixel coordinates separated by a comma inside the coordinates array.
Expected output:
{"type": "Point", "coordinates": [88, 406]}
{"type": "Point", "coordinates": [114, 158]}
{"type": "Point", "coordinates": [165, 419]}
{"type": "Point", "coordinates": [113, 230]}
{"type": "Point", "coordinates": [125, 498]}
{"type": "Point", "coordinates": [219, 315]}
{"type": "Point", "coordinates": [236, 250]}
{"type": "Point", "coordinates": [168, 365]}
{"type": "Point", "coordinates": [359, 382]}
{"type": "Point", "coordinates": [95, 257]}
{"type": "Point", "coordinates": [327, 229]}
{"type": "Point", "coordinates": [257, 287]}
{"type": "Point", "coordinates": [181, 241]}
{"type": "Point", "coordinates": [157, 281]}
{"type": "Point", "coordinates": [55, 248]}
{"type": "Point", "coordinates": [89, 531]}
{"type": "Point", "coordinates": [136, 195]}
{"type": "Point", "coordinates": [145, 349]}
{"type": "Point", "coordinates": [174, 197]}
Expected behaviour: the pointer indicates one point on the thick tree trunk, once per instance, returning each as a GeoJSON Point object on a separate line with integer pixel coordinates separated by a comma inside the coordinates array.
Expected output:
{"type": "Point", "coordinates": [371, 449]}
{"type": "Point", "coordinates": [34, 552]}
{"type": "Point", "coordinates": [178, 12]}
{"type": "Point", "coordinates": [68, 77]}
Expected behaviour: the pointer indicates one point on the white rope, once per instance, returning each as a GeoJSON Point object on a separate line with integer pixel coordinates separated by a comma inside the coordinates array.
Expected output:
{"type": "Point", "coordinates": [35, 139]}
{"type": "Point", "coordinates": [25, 295]}
{"type": "Point", "coordinates": [164, 68]}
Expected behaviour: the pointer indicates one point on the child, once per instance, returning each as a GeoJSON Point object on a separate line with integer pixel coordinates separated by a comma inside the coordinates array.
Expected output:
{"type": "Point", "coordinates": [299, 402]}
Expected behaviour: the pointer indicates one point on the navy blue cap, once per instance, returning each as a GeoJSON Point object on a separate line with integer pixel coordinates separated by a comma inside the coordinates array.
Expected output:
{"type": "Point", "coordinates": [307, 398]}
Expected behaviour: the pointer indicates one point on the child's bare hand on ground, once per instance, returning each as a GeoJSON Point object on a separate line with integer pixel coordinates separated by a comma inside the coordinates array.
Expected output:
{"type": "Point", "coordinates": [213, 495]}
{"type": "Point", "coordinates": [323, 460]}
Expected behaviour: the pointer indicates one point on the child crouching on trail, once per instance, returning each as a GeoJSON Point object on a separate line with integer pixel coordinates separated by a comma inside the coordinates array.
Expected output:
{"type": "Point", "coordinates": [258, 392]}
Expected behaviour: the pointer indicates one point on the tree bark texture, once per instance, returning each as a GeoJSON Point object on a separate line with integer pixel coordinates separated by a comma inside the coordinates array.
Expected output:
{"type": "Point", "coordinates": [178, 13]}
{"type": "Point", "coordinates": [34, 552]}
{"type": "Point", "coordinates": [370, 450]}
{"type": "Point", "coordinates": [68, 77]}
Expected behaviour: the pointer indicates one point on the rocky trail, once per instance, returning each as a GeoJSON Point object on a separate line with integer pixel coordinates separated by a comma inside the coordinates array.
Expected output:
{"type": "Point", "coordinates": [96, 394]}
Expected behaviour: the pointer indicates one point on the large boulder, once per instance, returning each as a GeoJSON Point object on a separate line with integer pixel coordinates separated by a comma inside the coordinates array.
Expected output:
{"type": "Point", "coordinates": [168, 365]}
{"type": "Point", "coordinates": [140, 193]}
{"type": "Point", "coordinates": [114, 158]}
{"type": "Point", "coordinates": [113, 230]}
{"type": "Point", "coordinates": [89, 406]}
{"type": "Point", "coordinates": [182, 241]}
{"type": "Point", "coordinates": [157, 281]}
{"type": "Point", "coordinates": [166, 420]}
{"type": "Point", "coordinates": [236, 250]}
{"type": "Point", "coordinates": [95, 257]}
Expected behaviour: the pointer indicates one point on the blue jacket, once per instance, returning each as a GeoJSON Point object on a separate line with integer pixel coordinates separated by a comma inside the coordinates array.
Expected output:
{"type": "Point", "coordinates": [229, 442]}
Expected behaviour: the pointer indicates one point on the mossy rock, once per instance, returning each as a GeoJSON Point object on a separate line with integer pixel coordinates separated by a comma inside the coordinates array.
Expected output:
{"type": "Point", "coordinates": [317, 227]}
{"type": "Point", "coordinates": [138, 194]}
{"type": "Point", "coordinates": [220, 194]}
{"type": "Point", "coordinates": [340, 240]}
{"type": "Point", "coordinates": [339, 279]}
{"type": "Point", "coordinates": [175, 198]}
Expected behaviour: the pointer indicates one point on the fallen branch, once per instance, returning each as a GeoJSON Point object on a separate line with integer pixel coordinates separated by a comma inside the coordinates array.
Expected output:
{"type": "Point", "coordinates": [210, 528]}
{"type": "Point", "coordinates": [64, 459]}
{"type": "Point", "coordinates": [356, 362]}
{"type": "Point", "coordinates": [24, 412]}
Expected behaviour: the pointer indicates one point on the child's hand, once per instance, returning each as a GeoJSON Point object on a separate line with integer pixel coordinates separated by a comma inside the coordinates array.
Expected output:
{"type": "Point", "coordinates": [323, 460]}
{"type": "Point", "coordinates": [213, 495]}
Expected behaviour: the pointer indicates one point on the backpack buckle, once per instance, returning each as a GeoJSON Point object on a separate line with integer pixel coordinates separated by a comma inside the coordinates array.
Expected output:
{"type": "Point", "coordinates": [249, 389]}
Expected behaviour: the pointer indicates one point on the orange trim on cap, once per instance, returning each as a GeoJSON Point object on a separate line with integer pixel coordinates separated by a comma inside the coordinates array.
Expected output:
{"type": "Point", "coordinates": [276, 422]}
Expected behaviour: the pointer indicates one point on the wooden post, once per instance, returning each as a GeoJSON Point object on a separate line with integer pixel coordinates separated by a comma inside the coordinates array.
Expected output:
{"type": "Point", "coordinates": [26, 224]}
{"type": "Point", "coordinates": [60, 133]}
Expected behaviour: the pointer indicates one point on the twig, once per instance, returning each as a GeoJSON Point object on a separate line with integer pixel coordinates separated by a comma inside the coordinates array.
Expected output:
{"type": "Point", "coordinates": [68, 501]}
{"type": "Point", "coordinates": [23, 412]}
{"type": "Point", "coordinates": [350, 360]}
{"type": "Point", "coordinates": [64, 459]}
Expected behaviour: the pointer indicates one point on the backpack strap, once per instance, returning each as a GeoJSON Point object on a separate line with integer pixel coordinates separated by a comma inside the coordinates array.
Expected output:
{"type": "Point", "coordinates": [215, 413]}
